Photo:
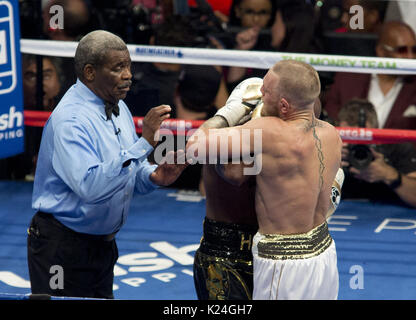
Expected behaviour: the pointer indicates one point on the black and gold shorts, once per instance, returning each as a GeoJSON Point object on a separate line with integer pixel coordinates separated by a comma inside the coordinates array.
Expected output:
{"type": "Point", "coordinates": [223, 265]}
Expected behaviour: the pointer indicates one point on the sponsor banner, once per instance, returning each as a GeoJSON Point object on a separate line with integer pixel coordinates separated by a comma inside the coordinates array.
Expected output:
{"type": "Point", "coordinates": [240, 58]}
{"type": "Point", "coordinates": [11, 95]}
{"type": "Point", "coordinates": [377, 136]}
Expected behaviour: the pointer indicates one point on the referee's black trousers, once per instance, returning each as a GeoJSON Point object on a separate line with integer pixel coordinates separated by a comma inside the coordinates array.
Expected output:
{"type": "Point", "coordinates": [63, 262]}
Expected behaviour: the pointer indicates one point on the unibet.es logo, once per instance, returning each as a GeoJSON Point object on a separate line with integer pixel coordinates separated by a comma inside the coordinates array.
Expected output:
{"type": "Point", "coordinates": [12, 119]}
{"type": "Point", "coordinates": [11, 124]}
{"type": "Point", "coordinates": [3, 48]}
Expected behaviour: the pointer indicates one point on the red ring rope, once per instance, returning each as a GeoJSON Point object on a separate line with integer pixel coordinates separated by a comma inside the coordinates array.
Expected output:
{"type": "Point", "coordinates": [177, 126]}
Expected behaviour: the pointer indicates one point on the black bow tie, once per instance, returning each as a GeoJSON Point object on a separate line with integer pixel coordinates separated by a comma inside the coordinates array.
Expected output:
{"type": "Point", "coordinates": [111, 108]}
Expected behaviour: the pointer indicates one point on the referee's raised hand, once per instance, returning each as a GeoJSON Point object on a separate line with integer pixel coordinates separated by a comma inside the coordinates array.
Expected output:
{"type": "Point", "coordinates": [152, 122]}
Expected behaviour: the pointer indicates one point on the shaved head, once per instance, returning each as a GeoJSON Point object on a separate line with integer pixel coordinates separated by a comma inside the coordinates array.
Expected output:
{"type": "Point", "coordinates": [392, 30]}
{"type": "Point", "coordinates": [394, 35]}
{"type": "Point", "coordinates": [298, 82]}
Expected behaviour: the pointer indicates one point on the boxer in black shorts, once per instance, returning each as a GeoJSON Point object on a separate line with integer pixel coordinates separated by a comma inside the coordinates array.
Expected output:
{"type": "Point", "coordinates": [223, 264]}
{"type": "Point", "coordinates": [223, 268]}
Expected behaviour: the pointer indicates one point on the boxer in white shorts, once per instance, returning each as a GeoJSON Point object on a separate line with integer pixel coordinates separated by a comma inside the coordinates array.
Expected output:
{"type": "Point", "coordinates": [295, 267]}
{"type": "Point", "coordinates": [294, 255]}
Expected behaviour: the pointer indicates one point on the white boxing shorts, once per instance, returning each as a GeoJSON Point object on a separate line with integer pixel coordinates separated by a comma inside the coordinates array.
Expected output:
{"type": "Point", "coordinates": [295, 267]}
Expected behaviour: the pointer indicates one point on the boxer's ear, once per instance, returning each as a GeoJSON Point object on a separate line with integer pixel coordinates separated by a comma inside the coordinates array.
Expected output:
{"type": "Point", "coordinates": [89, 72]}
{"type": "Point", "coordinates": [284, 106]}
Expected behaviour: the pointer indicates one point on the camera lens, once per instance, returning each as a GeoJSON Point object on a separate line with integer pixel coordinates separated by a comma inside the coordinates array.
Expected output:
{"type": "Point", "coordinates": [360, 156]}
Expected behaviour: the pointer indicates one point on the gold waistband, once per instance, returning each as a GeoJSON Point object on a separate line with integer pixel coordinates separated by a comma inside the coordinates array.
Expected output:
{"type": "Point", "coordinates": [295, 246]}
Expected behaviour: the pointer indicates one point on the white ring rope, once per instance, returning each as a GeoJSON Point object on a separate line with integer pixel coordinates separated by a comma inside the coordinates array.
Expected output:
{"type": "Point", "coordinates": [236, 58]}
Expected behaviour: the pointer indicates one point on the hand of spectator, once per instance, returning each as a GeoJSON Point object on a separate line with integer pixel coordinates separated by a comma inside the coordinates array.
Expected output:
{"type": "Point", "coordinates": [377, 170]}
{"type": "Point", "coordinates": [215, 43]}
{"type": "Point", "coordinates": [152, 122]}
{"type": "Point", "coordinates": [170, 168]}
{"type": "Point", "coordinates": [247, 39]}
{"type": "Point", "coordinates": [278, 30]}
{"type": "Point", "coordinates": [223, 18]}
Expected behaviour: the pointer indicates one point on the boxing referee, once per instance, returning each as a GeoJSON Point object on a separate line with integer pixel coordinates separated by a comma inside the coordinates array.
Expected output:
{"type": "Point", "coordinates": [90, 163]}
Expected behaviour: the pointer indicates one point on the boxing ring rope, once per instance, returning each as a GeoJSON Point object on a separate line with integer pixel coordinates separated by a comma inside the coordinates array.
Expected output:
{"type": "Point", "coordinates": [242, 58]}
{"type": "Point", "coordinates": [179, 126]}
{"type": "Point", "coordinates": [237, 58]}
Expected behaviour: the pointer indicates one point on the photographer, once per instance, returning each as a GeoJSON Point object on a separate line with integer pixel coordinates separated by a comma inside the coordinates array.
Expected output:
{"type": "Point", "coordinates": [385, 172]}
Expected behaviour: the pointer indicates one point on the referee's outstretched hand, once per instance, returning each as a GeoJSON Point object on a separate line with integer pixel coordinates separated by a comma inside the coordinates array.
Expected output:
{"type": "Point", "coordinates": [170, 168]}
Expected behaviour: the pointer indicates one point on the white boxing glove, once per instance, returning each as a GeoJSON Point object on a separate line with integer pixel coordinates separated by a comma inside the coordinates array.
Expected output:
{"type": "Point", "coordinates": [241, 101]}
{"type": "Point", "coordinates": [336, 192]}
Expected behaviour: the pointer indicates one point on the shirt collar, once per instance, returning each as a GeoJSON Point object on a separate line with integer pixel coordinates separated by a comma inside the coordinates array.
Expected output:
{"type": "Point", "coordinates": [87, 94]}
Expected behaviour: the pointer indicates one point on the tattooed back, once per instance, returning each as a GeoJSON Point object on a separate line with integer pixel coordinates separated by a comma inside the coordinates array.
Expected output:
{"type": "Point", "coordinates": [300, 159]}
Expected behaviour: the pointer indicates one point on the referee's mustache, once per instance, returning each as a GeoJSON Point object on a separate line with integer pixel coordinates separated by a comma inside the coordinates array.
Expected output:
{"type": "Point", "coordinates": [127, 84]}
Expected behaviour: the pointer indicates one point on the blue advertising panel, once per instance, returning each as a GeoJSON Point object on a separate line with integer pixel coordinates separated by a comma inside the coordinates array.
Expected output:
{"type": "Point", "coordinates": [11, 94]}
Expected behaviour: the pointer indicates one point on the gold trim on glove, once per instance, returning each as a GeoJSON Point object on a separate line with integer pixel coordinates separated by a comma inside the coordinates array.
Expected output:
{"type": "Point", "coordinates": [252, 92]}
